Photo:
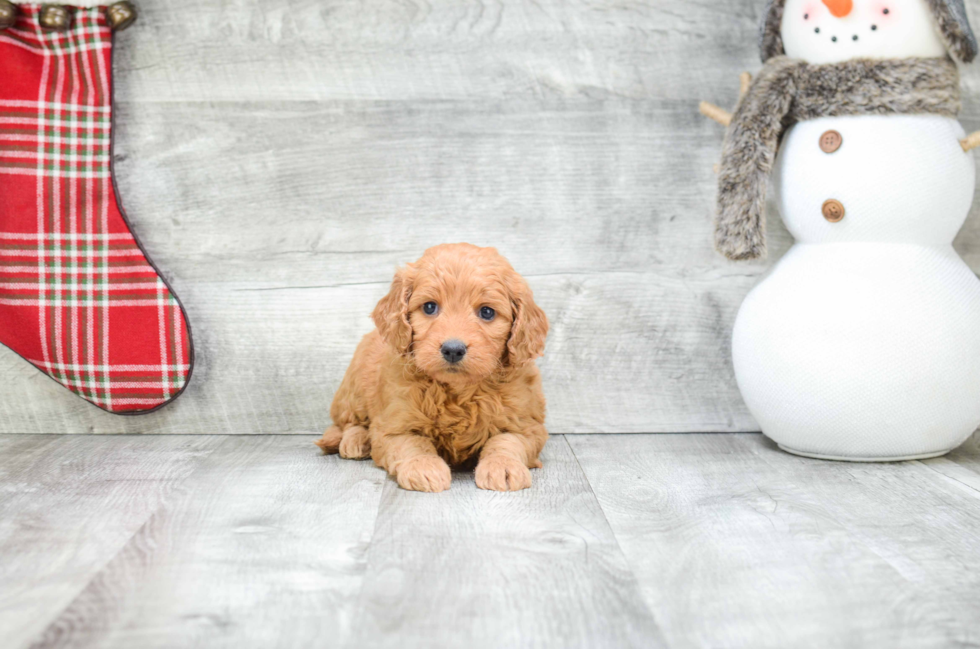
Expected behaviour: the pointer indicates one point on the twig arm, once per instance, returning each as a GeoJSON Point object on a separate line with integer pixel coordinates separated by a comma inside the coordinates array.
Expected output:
{"type": "Point", "coordinates": [744, 81]}
{"type": "Point", "coordinates": [971, 141]}
{"type": "Point", "coordinates": [720, 115]}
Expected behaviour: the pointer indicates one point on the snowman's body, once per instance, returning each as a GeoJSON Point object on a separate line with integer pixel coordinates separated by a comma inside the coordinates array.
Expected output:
{"type": "Point", "coordinates": [863, 342]}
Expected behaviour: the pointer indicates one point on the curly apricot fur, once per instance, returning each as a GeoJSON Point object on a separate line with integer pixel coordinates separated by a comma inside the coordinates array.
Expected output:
{"type": "Point", "coordinates": [418, 415]}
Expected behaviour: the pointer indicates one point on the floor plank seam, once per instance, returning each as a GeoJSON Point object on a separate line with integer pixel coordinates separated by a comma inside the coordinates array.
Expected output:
{"type": "Point", "coordinates": [612, 531]}
{"type": "Point", "coordinates": [55, 620]}
{"type": "Point", "coordinates": [164, 503]}
{"type": "Point", "coordinates": [971, 488]}
{"type": "Point", "coordinates": [359, 598]}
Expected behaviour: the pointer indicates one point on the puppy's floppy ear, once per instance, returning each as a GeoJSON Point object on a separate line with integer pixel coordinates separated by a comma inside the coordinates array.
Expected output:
{"type": "Point", "coordinates": [391, 314]}
{"type": "Point", "coordinates": [530, 326]}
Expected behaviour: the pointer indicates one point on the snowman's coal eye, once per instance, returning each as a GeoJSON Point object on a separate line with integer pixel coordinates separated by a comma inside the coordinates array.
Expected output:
{"type": "Point", "coordinates": [833, 39]}
{"type": "Point", "coordinates": [874, 28]}
{"type": "Point", "coordinates": [885, 11]}
{"type": "Point", "coordinates": [816, 31]}
{"type": "Point", "coordinates": [806, 16]}
{"type": "Point", "coordinates": [854, 38]}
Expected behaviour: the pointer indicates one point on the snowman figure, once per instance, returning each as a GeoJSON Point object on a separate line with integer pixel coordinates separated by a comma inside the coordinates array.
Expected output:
{"type": "Point", "coordinates": [863, 342]}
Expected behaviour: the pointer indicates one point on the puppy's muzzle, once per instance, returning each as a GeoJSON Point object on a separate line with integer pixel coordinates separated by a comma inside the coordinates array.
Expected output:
{"type": "Point", "coordinates": [453, 351]}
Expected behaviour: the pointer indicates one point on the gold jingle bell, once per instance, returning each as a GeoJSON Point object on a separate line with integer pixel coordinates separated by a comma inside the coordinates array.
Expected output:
{"type": "Point", "coordinates": [8, 14]}
{"type": "Point", "coordinates": [121, 15]}
{"type": "Point", "coordinates": [54, 18]}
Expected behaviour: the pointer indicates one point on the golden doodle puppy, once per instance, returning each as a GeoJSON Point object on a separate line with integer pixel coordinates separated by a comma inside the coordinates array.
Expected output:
{"type": "Point", "coordinates": [448, 376]}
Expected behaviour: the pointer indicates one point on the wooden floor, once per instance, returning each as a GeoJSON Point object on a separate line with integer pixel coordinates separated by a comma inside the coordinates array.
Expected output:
{"type": "Point", "coordinates": [624, 540]}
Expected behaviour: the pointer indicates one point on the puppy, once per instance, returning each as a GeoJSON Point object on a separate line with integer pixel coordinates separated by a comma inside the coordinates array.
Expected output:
{"type": "Point", "coordinates": [448, 375]}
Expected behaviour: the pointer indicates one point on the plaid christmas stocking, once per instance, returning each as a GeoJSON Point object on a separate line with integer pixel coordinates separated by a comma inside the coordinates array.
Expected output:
{"type": "Point", "coordinates": [78, 297]}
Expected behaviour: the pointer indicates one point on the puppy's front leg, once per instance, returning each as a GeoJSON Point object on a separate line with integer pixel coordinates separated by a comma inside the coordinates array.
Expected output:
{"type": "Point", "coordinates": [507, 457]}
{"type": "Point", "coordinates": [353, 443]}
{"type": "Point", "coordinates": [412, 460]}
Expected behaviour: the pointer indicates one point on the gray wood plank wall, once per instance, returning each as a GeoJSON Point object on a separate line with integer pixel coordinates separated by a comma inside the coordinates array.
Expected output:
{"type": "Point", "coordinates": [280, 158]}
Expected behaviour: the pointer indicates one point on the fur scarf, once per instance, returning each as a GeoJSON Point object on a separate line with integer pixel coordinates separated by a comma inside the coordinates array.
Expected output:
{"type": "Point", "coordinates": [790, 90]}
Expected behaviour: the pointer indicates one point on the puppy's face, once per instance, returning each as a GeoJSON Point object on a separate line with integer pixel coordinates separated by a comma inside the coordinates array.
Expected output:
{"type": "Point", "coordinates": [462, 313]}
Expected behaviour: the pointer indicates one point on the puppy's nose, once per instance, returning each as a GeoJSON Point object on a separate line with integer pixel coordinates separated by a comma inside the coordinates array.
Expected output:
{"type": "Point", "coordinates": [453, 350]}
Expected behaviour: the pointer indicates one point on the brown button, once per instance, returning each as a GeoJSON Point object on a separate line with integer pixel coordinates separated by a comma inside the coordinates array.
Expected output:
{"type": "Point", "coordinates": [833, 210]}
{"type": "Point", "coordinates": [54, 18]}
{"type": "Point", "coordinates": [121, 15]}
{"type": "Point", "coordinates": [830, 141]}
{"type": "Point", "coordinates": [8, 14]}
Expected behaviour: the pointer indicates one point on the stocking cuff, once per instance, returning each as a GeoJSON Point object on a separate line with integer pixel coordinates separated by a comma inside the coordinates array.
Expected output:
{"type": "Point", "coordinates": [69, 3]}
{"type": "Point", "coordinates": [58, 17]}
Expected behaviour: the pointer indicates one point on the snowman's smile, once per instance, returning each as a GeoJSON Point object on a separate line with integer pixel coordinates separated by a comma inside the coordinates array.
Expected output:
{"type": "Point", "coordinates": [840, 23]}
{"type": "Point", "coordinates": [830, 31]}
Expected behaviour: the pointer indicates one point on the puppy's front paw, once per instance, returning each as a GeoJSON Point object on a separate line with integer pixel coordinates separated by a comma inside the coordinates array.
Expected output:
{"type": "Point", "coordinates": [424, 473]}
{"type": "Point", "coordinates": [502, 473]}
{"type": "Point", "coordinates": [330, 441]}
{"type": "Point", "coordinates": [356, 444]}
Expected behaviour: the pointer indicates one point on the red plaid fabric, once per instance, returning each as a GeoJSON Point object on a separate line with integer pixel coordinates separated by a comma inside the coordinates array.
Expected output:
{"type": "Point", "coordinates": [78, 298]}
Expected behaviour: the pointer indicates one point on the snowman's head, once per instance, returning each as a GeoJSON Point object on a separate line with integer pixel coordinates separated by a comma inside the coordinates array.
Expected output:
{"type": "Point", "coordinates": [830, 31]}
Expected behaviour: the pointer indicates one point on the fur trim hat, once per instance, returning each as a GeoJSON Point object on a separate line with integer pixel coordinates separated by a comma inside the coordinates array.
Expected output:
{"type": "Point", "coordinates": [950, 15]}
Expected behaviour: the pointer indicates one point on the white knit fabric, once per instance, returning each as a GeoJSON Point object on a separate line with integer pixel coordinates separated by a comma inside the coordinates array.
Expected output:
{"type": "Point", "coordinates": [863, 342]}
{"type": "Point", "coordinates": [901, 178]}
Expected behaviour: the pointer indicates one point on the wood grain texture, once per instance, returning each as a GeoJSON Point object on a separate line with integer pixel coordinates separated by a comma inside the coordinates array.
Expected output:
{"type": "Point", "coordinates": [623, 541]}
{"type": "Point", "coordinates": [265, 549]}
{"type": "Point", "coordinates": [738, 544]}
{"type": "Point", "coordinates": [962, 465]}
{"type": "Point", "coordinates": [68, 505]}
{"type": "Point", "coordinates": [267, 543]}
{"type": "Point", "coordinates": [472, 568]}
{"type": "Point", "coordinates": [280, 158]}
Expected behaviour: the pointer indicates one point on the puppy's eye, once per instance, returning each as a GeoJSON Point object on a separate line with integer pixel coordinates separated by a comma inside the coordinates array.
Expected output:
{"type": "Point", "coordinates": [430, 308]}
{"type": "Point", "coordinates": [487, 313]}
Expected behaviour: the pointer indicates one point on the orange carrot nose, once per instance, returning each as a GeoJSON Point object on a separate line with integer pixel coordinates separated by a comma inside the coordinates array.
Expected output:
{"type": "Point", "coordinates": [839, 8]}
